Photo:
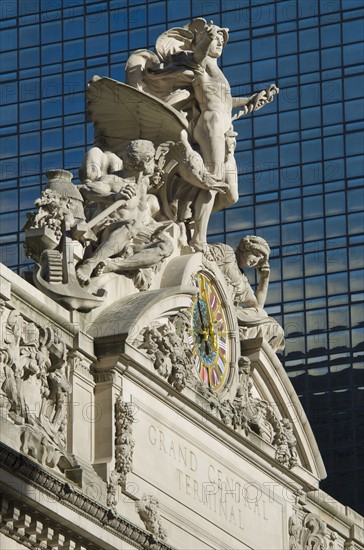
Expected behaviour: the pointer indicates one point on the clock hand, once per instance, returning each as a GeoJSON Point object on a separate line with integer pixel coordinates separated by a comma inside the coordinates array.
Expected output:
{"type": "Point", "coordinates": [204, 333]}
{"type": "Point", "coordinates": [209, 315]}
{"type": "Point", "coordinates": [200, 312]}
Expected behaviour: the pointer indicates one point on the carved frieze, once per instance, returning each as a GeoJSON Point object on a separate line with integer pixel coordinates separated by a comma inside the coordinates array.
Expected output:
{"type": "Point", "coordinates": [34, 386]}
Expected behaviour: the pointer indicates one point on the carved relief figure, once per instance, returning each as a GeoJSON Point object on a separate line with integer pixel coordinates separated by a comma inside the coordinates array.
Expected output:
{"type": "Point", "coordinates": [148, 510]}
{"type": "Point", "coordinates": [35, 387]}
{"type": "Point", "coordinates": [10, 357]}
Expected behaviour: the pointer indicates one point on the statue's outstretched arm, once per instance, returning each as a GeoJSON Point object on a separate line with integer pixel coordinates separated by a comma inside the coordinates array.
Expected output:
{"type": "Point", "coordinates": [200, 51]}
{"type": "Point", "coordinates": [254, 102]}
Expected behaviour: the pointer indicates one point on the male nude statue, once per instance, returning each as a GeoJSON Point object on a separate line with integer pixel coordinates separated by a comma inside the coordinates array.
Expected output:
{"type": "Point", "coordinates": [213, 130]}
{"type": "Point", "coordinates": [213, 95]}
{"type": "Point", "coordinates": [129, 186]}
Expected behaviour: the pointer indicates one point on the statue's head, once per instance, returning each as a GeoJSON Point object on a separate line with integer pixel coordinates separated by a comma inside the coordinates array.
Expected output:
{"type": "Point", "coordinates": [138, 156]}
{"type": "Point", "coordinates": [253, 251]}
{"type": "Point", "coordinates": [199, 27]}
{"type": "Point", "coordinates": [244, 364]}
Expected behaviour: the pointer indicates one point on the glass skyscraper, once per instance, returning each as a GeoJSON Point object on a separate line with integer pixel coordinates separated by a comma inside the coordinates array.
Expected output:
{"type": "Point", "coordinates": [300, 165]}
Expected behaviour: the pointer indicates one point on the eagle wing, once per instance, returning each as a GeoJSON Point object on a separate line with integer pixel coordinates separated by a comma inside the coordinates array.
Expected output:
{"type": "Point", "coordinates": [122, 113]}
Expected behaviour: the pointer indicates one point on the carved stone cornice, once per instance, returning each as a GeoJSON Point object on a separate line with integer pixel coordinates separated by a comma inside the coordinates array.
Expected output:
{"type": "Point", "coordinates": [33, 474]}
{"type": "Point", "coordinates": [31, 529]}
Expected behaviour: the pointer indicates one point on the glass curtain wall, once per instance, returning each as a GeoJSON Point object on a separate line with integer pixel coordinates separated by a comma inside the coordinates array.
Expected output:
{"type": "Point", "coordinates": [300, 165]}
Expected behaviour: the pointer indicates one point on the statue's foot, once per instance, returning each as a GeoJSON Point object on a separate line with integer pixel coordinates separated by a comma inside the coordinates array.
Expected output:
{"type": "Point", "coordinates": [105, 266]}
{"type": "Point", "coordinates": [84, 271]}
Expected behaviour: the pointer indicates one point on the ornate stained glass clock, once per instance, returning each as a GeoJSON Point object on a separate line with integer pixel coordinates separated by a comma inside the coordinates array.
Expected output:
{"type": "Point", "coordinates": [209, 333]}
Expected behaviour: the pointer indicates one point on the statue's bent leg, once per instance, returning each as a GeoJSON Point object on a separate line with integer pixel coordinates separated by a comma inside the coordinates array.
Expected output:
{"type": "Point", "coordinates": [113, 244]}
{"type": "Point", "coordinates": [147, 257]}
{"type": "Point", "coordinates": [203, 208]}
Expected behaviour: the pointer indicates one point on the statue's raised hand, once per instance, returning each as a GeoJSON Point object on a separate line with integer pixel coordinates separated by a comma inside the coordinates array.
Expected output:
{"type": "Point", "coordinates": [262, 98]}
{"type": "Point", "coordinates": [264, 271]}
{"type": "Point", "coordinates": [127, 193]}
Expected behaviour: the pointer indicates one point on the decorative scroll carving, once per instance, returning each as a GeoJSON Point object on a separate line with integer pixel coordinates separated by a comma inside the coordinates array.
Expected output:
{"type": "Point", "coordinates": [307, 534]}
{"type": "Point", "coordinates": [34, 386]}
{"type": "Point", "coordinates": [148, 510]}
{"type": "Point", "coordinates": [124, 442]}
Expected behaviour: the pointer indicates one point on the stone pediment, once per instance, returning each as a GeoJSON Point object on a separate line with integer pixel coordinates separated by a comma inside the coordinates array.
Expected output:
{"type": "Point", "coordinates": [272, 384]}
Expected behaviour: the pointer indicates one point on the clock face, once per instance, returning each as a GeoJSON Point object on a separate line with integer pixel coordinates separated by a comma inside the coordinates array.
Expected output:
{"type": "Point", "coordinates": [208, 338]}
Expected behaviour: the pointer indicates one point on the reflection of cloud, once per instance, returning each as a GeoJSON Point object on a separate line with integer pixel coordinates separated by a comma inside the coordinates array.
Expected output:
{"type": "Point", "coordinates": [295, 355]}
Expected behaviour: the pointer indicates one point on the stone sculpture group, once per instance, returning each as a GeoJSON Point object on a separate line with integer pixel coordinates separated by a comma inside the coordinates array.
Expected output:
{"type": "Point", "coordinates": [163, 154]}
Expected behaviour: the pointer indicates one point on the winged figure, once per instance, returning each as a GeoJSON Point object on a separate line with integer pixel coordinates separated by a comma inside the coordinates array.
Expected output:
{"type": "Point", "coordinates": [177, 89]}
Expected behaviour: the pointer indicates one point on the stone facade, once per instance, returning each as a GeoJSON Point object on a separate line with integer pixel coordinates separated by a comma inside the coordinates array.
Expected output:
{"type": "Point", "coordinates": [147, 464]}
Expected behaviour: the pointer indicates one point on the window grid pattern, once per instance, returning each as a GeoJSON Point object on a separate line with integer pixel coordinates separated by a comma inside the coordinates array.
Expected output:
{"type": "Point", "coordinates": [299, 159]}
